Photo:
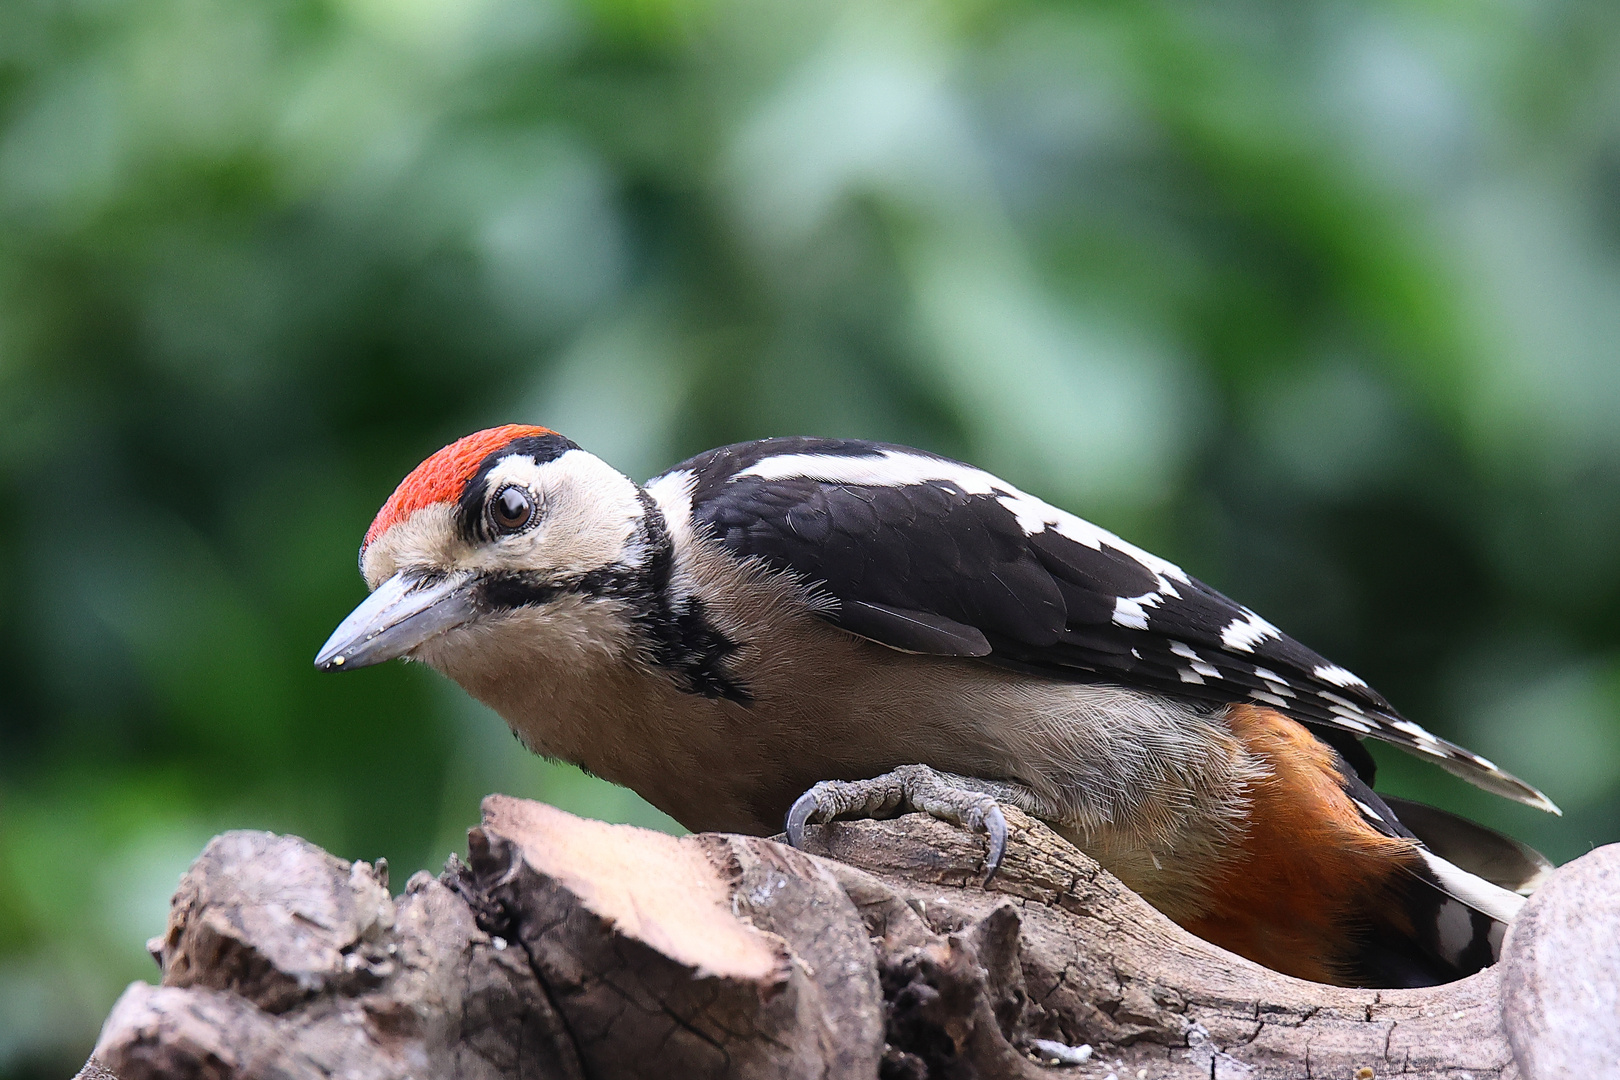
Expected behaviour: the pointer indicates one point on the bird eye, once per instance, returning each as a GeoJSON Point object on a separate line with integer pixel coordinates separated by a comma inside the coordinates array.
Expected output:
{"type": "Point", "coordinates": [511, 509]}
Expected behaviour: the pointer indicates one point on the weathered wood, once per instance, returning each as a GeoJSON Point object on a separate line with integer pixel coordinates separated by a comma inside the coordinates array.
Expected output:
{"type": "Point", "coordinates": [690, 957]}
{"type": "Point", "coordinates": [1111, 971]}
{"type": "Point", "coordinates": [1561, 973]}
{"type": "Point", "coordinates": [566, 948]}
{"type": "Point", "coordinates": [283, 961]}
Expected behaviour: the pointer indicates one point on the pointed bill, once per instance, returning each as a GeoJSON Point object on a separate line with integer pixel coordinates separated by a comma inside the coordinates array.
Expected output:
{"type": "Point", "coordinates": [401, 614]}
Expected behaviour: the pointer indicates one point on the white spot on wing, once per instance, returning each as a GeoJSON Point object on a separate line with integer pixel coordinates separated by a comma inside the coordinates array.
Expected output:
{"type": "Point", "coordinates": [1270, 699]}
{"type": "Point", "coordinates": [1344, 703]}
{"type": "Point", "coordinates": [1355, 722]}
{"type": "Point", "coordinates": [898, 468]}
{"type": "Point", "coordinates": [1337, 675]}
{"type": "Point", "coordinates": [1181, 648]}
{"type": "Point", "coordinates": [1275, 683]}
{"type": "Point", "coordinates": [1190, 676]}
{"type": "Point", "coordinates": [1412, 730]}
{"type": "Point", "coordinates": [1129, 614]}
{"type": "Point", "coordinates": [1246, 631]}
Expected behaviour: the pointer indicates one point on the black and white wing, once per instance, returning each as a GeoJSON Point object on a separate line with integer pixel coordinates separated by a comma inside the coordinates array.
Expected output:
{"type": "Point", "coordinates": [929, 555]}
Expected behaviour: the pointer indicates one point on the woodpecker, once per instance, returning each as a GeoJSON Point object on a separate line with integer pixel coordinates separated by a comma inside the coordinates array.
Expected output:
{"type": "Point", "coordinates": [808, 628]}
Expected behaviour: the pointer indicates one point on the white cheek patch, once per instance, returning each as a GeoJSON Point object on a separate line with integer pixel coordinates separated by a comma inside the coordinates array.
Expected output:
{"type": "Point", "coordinates": [588, 517]}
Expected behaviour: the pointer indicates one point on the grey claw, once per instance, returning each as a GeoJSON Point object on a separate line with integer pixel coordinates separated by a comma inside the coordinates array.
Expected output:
{"type": "Point", "coordinates": [915, 786]}
{"type": "Point", "coordinates": [995, 826]}
{"type": "Point", "coordinates": [804, 807]}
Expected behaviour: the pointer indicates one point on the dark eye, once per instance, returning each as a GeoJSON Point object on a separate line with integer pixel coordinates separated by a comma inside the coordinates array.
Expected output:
{"type": "Point", "coordinates": [511, 509]}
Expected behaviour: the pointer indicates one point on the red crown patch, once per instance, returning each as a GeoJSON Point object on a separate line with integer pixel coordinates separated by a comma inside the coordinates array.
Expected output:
{"type": "Point", "coordinates": [443, 476]}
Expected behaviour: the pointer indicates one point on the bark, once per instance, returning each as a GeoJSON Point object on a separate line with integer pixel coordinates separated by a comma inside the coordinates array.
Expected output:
{"type": "Point", "coordinates": [565, 948]}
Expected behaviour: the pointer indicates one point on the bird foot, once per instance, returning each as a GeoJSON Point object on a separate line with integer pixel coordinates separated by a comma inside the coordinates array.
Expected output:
{"type": "Point", "coordinates": [914, 787]}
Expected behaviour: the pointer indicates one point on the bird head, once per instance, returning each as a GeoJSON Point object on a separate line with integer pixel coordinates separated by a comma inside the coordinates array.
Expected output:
{"type": "Point", "coordinates": [484, 534]}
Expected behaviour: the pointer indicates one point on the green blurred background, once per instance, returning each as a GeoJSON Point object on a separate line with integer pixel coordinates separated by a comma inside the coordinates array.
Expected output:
{"type": "Point", "coordinates": [1318, 299]}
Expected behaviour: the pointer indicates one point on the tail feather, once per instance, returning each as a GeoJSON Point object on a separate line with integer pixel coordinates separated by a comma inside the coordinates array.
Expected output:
{"type": "Point", "coordinates": [1328, 882]}
{"type": "Point", "coordinates": [1334, 882]}
{"type": "Point", "coordinates": [1486, 853]}
{"type": "Point", "coordinates": [1449, 898]}
{"type": "Point", "coordinates": [1441, 923]}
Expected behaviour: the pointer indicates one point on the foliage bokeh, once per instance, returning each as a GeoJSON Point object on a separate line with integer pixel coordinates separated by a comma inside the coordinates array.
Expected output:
{"type": "Point", "coordinates": [1319, 300]}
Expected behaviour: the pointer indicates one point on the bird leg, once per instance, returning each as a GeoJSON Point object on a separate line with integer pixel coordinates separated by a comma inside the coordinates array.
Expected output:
{"type": "Point", "coordinates": [962, 800]}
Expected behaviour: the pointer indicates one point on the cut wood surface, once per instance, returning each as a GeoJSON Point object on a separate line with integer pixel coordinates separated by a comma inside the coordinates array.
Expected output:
{"type": "Point", "coordinates": [568, 948]}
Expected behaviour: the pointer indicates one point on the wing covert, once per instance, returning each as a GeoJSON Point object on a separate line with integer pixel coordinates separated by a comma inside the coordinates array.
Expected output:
{"type": "Point", "coordinates": [929, 555]}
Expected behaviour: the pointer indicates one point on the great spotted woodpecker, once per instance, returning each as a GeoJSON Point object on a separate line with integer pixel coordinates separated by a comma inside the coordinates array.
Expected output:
{"type": "Point", "coordinates": [818, 628]}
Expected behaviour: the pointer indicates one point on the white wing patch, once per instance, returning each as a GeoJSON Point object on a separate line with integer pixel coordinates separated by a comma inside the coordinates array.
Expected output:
{"type": "Point", "coordinates": [892, 468]}
{"type": "Point", "coordinates": [1416, 732]}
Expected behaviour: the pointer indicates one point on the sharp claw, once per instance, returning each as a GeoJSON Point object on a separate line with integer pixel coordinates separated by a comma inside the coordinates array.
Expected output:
{"type": "Point", "coordinates": [803, 807]}
{"type": "Point", "coordinates": [995, 825]}
{"type": "Point", "coordinates": [983, 814]}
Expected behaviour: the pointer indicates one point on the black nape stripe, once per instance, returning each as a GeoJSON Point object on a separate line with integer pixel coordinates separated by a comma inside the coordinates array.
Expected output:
{"type": "Point", "coordinates": [683, 638]}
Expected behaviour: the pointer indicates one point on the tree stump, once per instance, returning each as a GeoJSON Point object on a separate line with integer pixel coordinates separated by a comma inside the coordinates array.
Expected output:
{"type": "Point", "coordinates": [565, 948]}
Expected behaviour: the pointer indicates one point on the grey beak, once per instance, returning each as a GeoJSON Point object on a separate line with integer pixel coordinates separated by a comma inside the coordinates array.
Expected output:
{"type": "Point", "coordinates": [401, 614]}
